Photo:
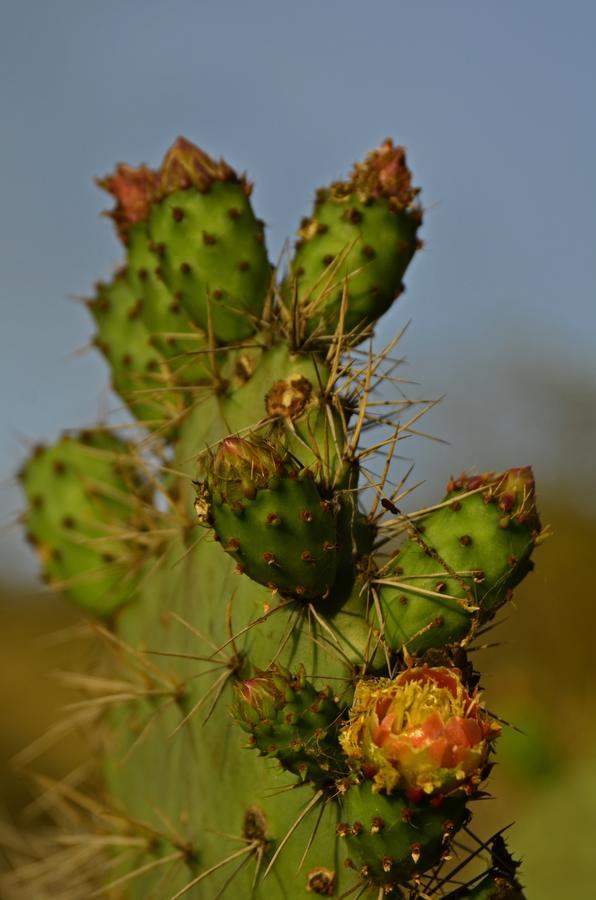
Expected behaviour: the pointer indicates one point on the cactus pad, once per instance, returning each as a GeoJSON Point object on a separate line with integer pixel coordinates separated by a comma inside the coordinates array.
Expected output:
{"type": "Point", "coordinates": [461, 561]}
{"type": "Point", "coordinates": [271, 517]}
{"type": "Point", "coordinates": [363, 230]}
{"type": "Point", "coordinates": [86, 503]}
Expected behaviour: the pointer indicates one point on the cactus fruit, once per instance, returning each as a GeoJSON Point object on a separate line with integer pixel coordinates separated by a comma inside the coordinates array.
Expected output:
{"type": "Point", "coordinates": [247, 590]}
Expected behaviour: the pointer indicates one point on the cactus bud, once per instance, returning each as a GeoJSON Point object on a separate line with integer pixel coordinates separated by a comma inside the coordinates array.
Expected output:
{"type": "Point", "coordinates": [383, 173]}
{"type": "Point", "coordinates": [240, 467]}
{"type": "Point", "coordinates": [516, 497]}
{"type": "Point", "coordinates": [260, 697]}
{"type": "Point", "coordinates": [289, 719]}
{"type": "Point", "coordinates": [422, 732]}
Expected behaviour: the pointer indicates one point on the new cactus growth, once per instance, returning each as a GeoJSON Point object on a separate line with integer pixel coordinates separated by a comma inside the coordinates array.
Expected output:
{"type": "Point", "coordinates": [258, 583]}
{"type": "Point", "coordinates": [209, 245]}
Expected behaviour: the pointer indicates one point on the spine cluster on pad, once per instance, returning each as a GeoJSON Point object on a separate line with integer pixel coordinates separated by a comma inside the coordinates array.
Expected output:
{"type": "Point", "coordinates": [246, 559]}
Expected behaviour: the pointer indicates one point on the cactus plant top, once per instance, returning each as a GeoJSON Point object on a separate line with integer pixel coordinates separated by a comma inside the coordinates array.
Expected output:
{"type": "Point", "coordinates": [287, 707]}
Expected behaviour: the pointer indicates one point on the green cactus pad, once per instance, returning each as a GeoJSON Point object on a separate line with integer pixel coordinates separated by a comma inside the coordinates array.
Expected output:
{"type": "Point", "coordinates": [164, 316]}
{"type": "Point", "coordinates": [363, 231]}
{"type": "Point", "coordinates": [282, 534]}
{"type": "Point", "coordinates": [84, 500]}
{"type": "Point", "coordinates": [207, 245]}
{"type": "Point", "coordinates": [211, 254]}
{"type": "Point", "coordinates": [461, 561]}
{"type": "Point", "coordinates": [391, 840]}
{"type": "Point", "coordinates": [292, 721]}
{"type": "Point", "coordinates": [140, 374]}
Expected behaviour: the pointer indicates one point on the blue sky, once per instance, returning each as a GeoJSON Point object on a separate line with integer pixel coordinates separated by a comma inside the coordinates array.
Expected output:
{"type": "Point", "coordinates": [494, 102]}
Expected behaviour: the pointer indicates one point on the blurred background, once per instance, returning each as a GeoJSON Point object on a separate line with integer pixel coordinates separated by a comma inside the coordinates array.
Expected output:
{"type": "Point", "coordinates": [495, 105]}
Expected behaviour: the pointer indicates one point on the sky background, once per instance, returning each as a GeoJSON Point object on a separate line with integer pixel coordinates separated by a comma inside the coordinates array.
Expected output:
{"type": "Point", "coordinates": [495, 104]}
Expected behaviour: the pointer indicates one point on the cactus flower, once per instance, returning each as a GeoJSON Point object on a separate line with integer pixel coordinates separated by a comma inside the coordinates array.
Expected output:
{"type": "Point", "coordinates": [422, 732]}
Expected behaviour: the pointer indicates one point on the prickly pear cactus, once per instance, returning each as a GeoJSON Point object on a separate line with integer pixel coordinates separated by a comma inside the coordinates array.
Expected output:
{"type": "Point", "coordinates": [288, 707]}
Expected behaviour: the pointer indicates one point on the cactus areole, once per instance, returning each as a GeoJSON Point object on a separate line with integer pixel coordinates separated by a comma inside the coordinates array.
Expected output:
{"type": "Point", "coordinates": [285, 706]}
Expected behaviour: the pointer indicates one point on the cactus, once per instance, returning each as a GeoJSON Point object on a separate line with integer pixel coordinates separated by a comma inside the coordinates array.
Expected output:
{"type": "Point", "coordinates": [260, 589]}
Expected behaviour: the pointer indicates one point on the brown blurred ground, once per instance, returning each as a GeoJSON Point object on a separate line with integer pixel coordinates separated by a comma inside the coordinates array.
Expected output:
{"type": "Point", "coordinates": [34, 628]}
{"type": "Point", "coordinates": [540, 678]}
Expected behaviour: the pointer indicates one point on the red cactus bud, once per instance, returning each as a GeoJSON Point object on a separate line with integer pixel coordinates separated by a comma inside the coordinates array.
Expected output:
{"type": "Point", "coordinates": [384, 173]}
{"type": "Point", "coordinates": [134, 190]}
{"type": "Point", "coordinates": [422, 732]}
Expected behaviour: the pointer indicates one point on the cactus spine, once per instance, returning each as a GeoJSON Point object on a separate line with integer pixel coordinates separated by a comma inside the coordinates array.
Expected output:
{"type": "Point", "coordinates": [229, 542]}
